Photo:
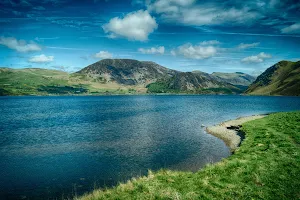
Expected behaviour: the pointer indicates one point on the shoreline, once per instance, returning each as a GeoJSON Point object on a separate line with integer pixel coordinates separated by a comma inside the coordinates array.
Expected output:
{"type": "Point", "coordinates": [229, 131]}
{"type": "Point", "coordinates": [246, 174]}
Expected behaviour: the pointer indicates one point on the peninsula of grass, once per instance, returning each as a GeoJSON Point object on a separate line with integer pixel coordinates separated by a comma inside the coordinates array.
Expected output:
{"type": "Point", "coordinates": [265, 166]}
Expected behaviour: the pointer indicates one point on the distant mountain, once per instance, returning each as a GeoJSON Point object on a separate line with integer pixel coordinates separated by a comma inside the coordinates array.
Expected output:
{"type": "Point", "coordinates": [126, 71]}
{"type": "Point", "coordinates": [237, 78]}
{"type": "Point", "coordinates": [192, 82]}
{"type": "Point", "coordinates": [282, 78]}
{"type": "Point", "coordinates": [156, 78]}
{"type": "Point", "coordinates": [117, 76]}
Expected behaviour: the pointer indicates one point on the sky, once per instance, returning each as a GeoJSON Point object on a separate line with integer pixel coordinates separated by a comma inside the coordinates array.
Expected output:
{"type": "Point", "coordinates": [211, 36]}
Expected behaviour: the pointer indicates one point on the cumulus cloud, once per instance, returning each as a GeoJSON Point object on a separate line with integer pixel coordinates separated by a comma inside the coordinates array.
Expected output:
{"type": "Point", "coordinates": [19, 45]}
{"type": "Point", "coordinates": [103, 55]}
{"type": "Point", "coordinates": [256, 59]}
{"type": "Point", "coordinates": [134, 26]}
{"type": "Point", "coordinates": [153, 50]}
{"type": "Point", "coordinates": [295, 28]}
{"type": "Point", "coordinates": [246, 46]}
{"type": "Point", "coordinates": [41, 59]}
{"type": "Point", "coordinates": [195, 51]}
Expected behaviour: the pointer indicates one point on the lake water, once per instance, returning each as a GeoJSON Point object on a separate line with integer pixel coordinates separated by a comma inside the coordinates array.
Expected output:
{"type": "Point", "coordinates": [56, 147]}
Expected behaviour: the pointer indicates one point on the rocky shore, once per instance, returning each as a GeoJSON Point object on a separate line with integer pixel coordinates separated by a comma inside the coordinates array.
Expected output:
{"type": "Point", "coordinates": [229, 131]}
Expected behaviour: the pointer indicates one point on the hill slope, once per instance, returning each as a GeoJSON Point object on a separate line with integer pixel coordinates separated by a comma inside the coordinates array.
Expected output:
{"type": "Point", "coordinates": [237, 78]}
{"type": "Point", "coordinates": [155, 78]}
{"type": "Point", "coordinates": [35, 81]}
{"type": "Point", "coordinates": [126, 71]}
{"type": "Point", "coordinates": [31, 81]}
{"type": "Point", "coordinates": [114, 76]}
{"type": "Point", "coordinates": [191, 82]}
{"type": "Point", "coordinates": [282, 78]}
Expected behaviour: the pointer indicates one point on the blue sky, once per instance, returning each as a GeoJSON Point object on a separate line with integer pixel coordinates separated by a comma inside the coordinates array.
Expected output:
{"type": "Point", "coordinates": [225, 36]}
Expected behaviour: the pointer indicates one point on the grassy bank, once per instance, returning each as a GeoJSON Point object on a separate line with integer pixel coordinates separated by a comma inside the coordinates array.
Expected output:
{"type": "Point", "coordinates": [266, 166]}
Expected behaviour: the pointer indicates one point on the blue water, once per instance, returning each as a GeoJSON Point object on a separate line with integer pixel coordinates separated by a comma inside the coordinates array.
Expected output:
{"type": "Point", "coordinates": [57, 147]}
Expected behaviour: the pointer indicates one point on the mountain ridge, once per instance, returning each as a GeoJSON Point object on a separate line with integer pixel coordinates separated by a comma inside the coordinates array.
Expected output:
{"type": "Point", "coordinates": [283, 78]}
{"type": "Point", "coordinates": [127, 76]}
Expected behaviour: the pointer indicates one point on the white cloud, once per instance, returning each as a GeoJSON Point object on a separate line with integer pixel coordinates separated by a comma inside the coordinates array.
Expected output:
{"type": "Point", "coordinates": [195, 52]}
{"type": "Point", "coordinates": [103, 55]}
{"type": "Point", "coordinates": [168, 6]}
{"type": "Point", "coordinates": [134, 26]}
{"type": "Point", "coordinates": [41, 59]}
{"type": "Point", "coordinates": [153, 50]}
{"type": "Point", "coordinates": [246, 46]}
{"type": "Point", "coordinates": [295, 28]}
{"type": "Point", "coordinates": [210, 42]}
{"type": "Point", "coordinates": [256, 59]}
{"type": "Point", "coordinates": [190, 13]}
{"type": "Point", "coordinates": [19, 45]}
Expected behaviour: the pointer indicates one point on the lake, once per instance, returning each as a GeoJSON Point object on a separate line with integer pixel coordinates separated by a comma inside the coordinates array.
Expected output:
{"type": "Point", "coordinates": [57, 147]}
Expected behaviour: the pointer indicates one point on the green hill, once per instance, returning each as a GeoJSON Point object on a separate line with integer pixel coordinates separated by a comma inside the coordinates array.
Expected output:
{"type": "Point", "coordinates": [282, 78]}
{"type": "Point", "coordinates": [31, 81]}
{"type": "Point", "coordinates": [237, 78]}
{"type": "Point", "coordinates": [35, 81]}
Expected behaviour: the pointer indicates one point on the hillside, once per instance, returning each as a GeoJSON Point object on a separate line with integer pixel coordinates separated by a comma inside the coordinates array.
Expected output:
{"type": "Point", "coordinates": [34, 81]}
{"type": "Point", "coordinates": [116, 76]}
{"type": "Point", "coordinates": [191, 82]}
{"type": "Point", "coordinates": [282, 78]}
{"type": "Point", "coordinates": [237, 78]}
{"type": "Point", "coordinates": [31, 81]}
{"type": "Point", "coordinates": [126, 71]}
{"type": "Point", "coordinates": [156, 78]}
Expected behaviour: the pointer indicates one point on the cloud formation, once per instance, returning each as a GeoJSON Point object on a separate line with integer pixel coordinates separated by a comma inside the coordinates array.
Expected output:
{"type": "Point", "coordinates": [19, 45]}
{"type": "Point", "coordinates": [210, 42]}
{"type": "Point", "coordinates": [134, 26]}
{"type": "Point", "coordinates": [41, 59]}
{"type": "Point", "coordinates": [229, 13]}
{"type": "Point", "coordinates": [295, 28]}
{"type": "Point", "coordinates": [195, 51]}
{"type": "Point", "coordinates": [256, 59]}
{"type": "Point", "coordinates": [246, 46]}
{"type": "Point", "coordinates": [190, 13]}
{"type": "Point", "coordinates": [103, 55]}
{"type": "Point", "coordinates": [153, 50]}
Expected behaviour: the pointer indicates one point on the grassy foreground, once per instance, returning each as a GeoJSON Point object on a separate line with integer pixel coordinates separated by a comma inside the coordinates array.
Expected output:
{"type": "Point", "coordinates": [266, 166]}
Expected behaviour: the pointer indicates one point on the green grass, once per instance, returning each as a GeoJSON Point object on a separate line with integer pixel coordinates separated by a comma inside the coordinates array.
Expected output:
{"type": "Point", "coordinates": [266, 166]}
{"type": "Point", "coordinates": [34, 81]}
{"type": "Point", "coordinates": [160, 87]}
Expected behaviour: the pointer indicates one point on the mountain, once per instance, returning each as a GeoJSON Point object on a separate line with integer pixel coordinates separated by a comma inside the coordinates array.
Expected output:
{"type": "Point", "coordinates": [126, 71]}
{"type": "Point", "coordinates": [237, 78]}
{"type": "Point", "coordinates": [192, 82]}
{"type": "Point", "coordinates": [156, 78]}
{"type": "Point", "coordinates": [283, 78]}
{"type": "Point", "coordinates": [112, 76]}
